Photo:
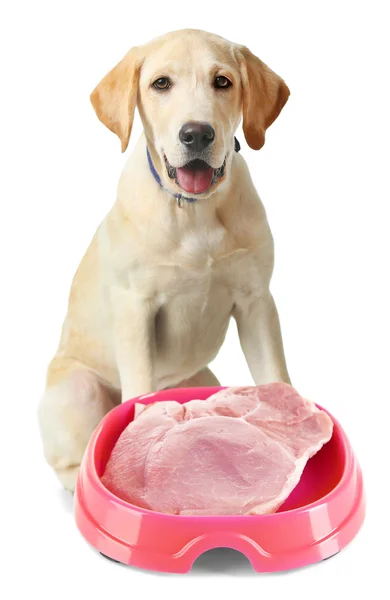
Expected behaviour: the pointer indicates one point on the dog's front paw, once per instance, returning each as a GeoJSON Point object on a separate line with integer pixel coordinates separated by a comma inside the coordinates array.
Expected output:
{"type": "Point", "coordinates": [68, 477]}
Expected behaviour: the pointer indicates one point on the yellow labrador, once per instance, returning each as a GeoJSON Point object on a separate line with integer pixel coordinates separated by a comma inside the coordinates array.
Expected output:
{"type": "Point", "coordinates": [185, 247]}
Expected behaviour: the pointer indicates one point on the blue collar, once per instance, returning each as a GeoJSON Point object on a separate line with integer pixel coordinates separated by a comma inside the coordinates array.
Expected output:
{"type": "Point", "coordinates": [179, 197]}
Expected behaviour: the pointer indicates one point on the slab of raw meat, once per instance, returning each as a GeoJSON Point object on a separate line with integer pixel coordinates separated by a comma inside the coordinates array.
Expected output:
{"type": "Point", "coordinates": [240, 452]}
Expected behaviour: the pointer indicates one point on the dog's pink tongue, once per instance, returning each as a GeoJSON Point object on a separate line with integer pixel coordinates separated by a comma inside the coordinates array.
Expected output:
{"type": "Point", "coordinates": [195, 181]}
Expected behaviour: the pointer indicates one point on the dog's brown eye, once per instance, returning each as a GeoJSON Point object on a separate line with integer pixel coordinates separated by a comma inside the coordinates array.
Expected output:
{"type": "Point", "coordinates": [163, 83]}
{"type": "Point", "coordinates": [222, 82]}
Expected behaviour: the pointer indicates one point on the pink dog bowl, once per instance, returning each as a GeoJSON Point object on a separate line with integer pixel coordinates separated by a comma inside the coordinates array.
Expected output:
{"type": "Point", "coordinates": [321, 516]}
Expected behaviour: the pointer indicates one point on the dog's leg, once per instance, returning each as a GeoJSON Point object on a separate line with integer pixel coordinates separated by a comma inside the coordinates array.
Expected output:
{"type": "Point", "coordinates": [68, 413]}
{"type": "Point", "coordinates": [261, 339]}
{"type": "Point", "coordinates": [134, 335]}
{"type": "Point", "coordinates": [204, 378]}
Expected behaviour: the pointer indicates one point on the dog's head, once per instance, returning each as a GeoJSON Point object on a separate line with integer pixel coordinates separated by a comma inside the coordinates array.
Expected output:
{"type": "Point", "coordinates": [191, 89]}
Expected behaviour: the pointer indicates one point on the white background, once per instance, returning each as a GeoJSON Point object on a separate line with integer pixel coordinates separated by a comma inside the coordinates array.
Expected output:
{"type": "Point", "coordinates": [323, 177]}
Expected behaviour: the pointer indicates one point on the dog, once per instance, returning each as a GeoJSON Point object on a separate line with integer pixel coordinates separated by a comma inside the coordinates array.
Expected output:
{"type": "Point", "coordinates": [185, 247]}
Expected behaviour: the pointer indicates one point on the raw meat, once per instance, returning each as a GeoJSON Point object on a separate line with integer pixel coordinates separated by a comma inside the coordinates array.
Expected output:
{"type": "Point", "coordinates": [240, 452]}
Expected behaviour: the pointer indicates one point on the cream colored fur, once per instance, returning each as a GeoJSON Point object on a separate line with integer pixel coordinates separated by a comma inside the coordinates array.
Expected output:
{"type": "Point", "coordinates": [152, 298]}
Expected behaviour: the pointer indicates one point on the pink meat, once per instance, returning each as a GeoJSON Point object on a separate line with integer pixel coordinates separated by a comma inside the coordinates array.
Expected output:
{"type": "Point", "coordinates": [240, 452]}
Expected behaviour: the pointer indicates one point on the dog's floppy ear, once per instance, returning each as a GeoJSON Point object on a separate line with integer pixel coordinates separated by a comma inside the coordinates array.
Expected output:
{"type": "Point", "coordinates": [115, 97]}
{"type": "Point", "coordinates": [264, 95]}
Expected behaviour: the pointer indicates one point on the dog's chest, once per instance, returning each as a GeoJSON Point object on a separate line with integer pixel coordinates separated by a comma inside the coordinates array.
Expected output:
{"type": "Point", "coordinates": [202, 262]}
{"type": "Point", "coordinates": [204, 248]}
{"type": "Point", "coordinates": [192, 290]}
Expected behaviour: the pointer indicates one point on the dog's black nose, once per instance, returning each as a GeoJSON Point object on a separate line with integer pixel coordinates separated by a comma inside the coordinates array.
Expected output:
{"type": "Point", "coordinates": [196, 136]}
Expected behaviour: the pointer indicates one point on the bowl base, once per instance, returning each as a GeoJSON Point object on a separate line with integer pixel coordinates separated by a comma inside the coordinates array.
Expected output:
{"type": "Point", "coordinates": [120, 563]}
